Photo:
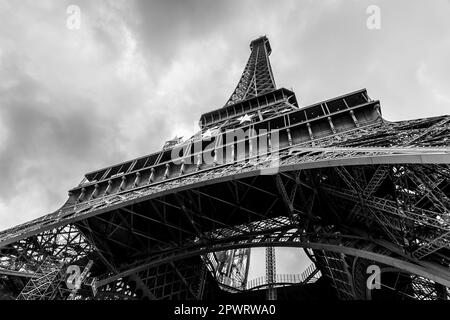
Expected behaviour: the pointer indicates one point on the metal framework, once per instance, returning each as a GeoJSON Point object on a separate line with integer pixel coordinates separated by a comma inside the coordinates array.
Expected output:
{"type": "Point", "coordinates": [257, 77]}
{"type": "Point", "coordinates": [271, 275]}
{"type": "Point", "coordinates": [333, 178]}
{"type": "Point", "coordinates": [310, 275]}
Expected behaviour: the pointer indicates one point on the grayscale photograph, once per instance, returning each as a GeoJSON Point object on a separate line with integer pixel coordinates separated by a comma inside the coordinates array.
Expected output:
{"type": "Point", "coordinates": [235, 158]}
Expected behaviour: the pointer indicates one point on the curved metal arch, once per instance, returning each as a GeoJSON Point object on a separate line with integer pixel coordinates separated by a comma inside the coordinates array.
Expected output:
{"type": "Point", "coordinates": [442, 157]}
{"type": "Point", "coordinates": [429, 273]}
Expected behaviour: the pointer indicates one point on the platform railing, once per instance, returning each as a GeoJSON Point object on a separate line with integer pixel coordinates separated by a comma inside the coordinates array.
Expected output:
{"type": "Point", "coordinates": [310, 275]}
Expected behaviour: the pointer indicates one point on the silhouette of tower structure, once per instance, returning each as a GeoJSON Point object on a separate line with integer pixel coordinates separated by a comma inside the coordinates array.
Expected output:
{"type": "Point", "coordinates": [334, 178]}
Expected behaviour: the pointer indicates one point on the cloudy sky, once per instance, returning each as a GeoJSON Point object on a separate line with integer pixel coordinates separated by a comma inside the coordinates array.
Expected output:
{"type": "Point", "coordinates": [136, 73]}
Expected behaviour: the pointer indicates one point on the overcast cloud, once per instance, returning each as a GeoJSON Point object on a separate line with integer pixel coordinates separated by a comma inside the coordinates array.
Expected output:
{"type": "Point", "coordinates": [139, 72]}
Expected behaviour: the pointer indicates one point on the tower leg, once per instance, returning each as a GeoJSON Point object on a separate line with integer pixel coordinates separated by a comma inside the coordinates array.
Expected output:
{"type": "Point", "coordinates": [271, 273]}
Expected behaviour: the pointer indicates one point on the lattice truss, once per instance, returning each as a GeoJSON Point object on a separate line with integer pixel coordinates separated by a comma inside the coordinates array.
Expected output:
{"type": "Point", "coordinates": [346, 185]}
{"type": "Point", "coordinates": [403, 206]}
{"type": "Point", "coordinates": [230, 267]}
{"type": "Point", "coordinates": [65, 244]}
{"type": "Point", "coordinates": [174, 281]}
{"type": "Point", "coordinates": [257, 77]}
{"type": "Point", "coordinates": [40, 261]}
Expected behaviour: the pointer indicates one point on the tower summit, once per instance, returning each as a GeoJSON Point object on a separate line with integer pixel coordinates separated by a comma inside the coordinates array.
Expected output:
{"type": "Point", "coordinates": [257, 77]}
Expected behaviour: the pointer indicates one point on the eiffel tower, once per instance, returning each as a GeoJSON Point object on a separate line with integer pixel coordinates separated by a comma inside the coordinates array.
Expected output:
{"type": "Point", "coordinates": [336, 180]}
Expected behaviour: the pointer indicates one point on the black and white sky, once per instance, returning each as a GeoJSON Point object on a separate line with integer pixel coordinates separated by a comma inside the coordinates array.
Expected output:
{"type": "Point", "coordinates": [139, 72]}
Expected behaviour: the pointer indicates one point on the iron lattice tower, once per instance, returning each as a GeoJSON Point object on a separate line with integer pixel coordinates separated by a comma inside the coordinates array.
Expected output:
{"type": "Point", "coordinates": [333, 178]}
{"type": "Point", "coordinates": [257, 78]}
{"type": "Point", "coordinates": [271, 273]}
